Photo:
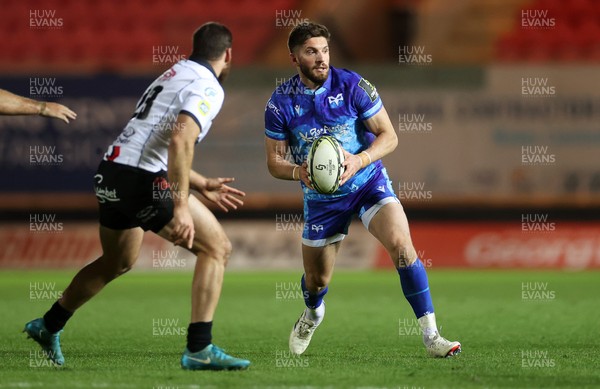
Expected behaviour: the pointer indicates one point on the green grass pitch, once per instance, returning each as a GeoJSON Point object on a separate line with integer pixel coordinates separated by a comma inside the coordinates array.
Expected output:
{"type": "Point", "coordinates": [519, 329]}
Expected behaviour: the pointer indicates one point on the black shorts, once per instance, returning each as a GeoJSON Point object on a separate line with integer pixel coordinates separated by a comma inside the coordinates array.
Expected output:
{"type": "Point", "coordinates": [129, 197]}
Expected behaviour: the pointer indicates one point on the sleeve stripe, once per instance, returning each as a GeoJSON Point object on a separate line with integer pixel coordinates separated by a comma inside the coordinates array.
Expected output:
{"type": "Point", "coordinates": [275, 135]}
{"type": "Point", "coordinates": [194, 118]}
{"type": "Point", "coordinates": [376, 108]}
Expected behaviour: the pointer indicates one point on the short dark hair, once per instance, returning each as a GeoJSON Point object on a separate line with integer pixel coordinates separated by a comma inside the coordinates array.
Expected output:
{"type": "Point", "coordinates": [210, 41]}
{"type": "Point", "coordinates": [304, 31]}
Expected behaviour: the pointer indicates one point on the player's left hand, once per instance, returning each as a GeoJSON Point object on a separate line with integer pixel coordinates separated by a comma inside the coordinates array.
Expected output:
{"type": "Point", "coordinates": [352, 164]}
{"type": "Point", "coordinates": [58, 111]}
{"type": "Point", "coordinates": [226, 197]}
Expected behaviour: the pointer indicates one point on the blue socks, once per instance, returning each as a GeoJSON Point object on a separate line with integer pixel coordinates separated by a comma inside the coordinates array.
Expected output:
{"type": "Point", "coordinates": [312, 300]}
{"type": "Point", "coordinates": [416, 288]}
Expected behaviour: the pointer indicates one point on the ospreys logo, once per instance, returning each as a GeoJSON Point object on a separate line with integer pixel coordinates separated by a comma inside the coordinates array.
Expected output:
{"type": "Point", "coordinates": [369, 88]}
{"type": "Point", "coordinates": [336, 101]}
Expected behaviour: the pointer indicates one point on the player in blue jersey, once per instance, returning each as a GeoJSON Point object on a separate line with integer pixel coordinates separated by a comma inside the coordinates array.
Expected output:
{"type": "Point", "coordinates": [323, 100]}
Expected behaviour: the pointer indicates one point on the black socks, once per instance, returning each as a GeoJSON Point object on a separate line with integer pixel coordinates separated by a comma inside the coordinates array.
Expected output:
{"type": "Point", "coordinates": [199, 335]}
{"type": "Point", "coordinates": [56, 318]}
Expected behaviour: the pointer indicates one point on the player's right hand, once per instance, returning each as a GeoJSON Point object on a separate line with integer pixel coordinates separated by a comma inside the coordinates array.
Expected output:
{"type": "Point", "coordinates": [183, 227]}
{"type": "Point", "coordinates": [304, 175]}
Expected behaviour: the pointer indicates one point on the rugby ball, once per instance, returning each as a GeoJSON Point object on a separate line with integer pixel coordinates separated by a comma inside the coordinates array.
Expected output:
{"type": "Point", "coordinates": [325, 164]}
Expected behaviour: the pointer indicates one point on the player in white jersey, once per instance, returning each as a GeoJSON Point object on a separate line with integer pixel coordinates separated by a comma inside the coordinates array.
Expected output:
{"type": "Point", "coordinates": [144, 182]}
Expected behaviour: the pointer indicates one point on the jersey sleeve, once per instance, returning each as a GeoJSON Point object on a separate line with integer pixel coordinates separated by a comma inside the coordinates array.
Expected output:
{"type": "Point", "coordinates": [203, 105]}
{"type": "Point", "coordinates": [366, 99]}
{"type": "Point", "coordinates": [275, 127]}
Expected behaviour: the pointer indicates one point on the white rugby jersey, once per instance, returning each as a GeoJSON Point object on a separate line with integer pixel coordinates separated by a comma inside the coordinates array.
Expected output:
{"type": "Point", "coordinates": [187, 87]}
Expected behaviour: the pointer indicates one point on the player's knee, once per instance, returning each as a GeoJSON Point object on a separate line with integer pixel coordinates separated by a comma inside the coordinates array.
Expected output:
{"type": "Point", "coordinates": [220, 249]}
{"type": "Point", "coordinates": [402, 252]}
{"type": "Point", "coordinates": [317, 281]}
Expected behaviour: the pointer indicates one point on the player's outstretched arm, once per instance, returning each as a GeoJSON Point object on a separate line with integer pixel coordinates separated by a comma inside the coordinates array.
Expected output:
{"type": "Point", "coordinates": [217, 191]}
{"type": "Point", "coordinates": [385, 142]}
{"type": "Point", "coordinates": [179, 165]}
{"type": "Point", "coordinates": [278, 164]}
{"type": "Point", "coordinates": [11, 104]}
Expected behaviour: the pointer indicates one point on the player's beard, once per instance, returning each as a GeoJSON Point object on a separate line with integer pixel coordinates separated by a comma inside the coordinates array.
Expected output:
{"type": "Point", "coordinates": [224, 74]}
{"type": "Point", "coordinates": [312, 74]}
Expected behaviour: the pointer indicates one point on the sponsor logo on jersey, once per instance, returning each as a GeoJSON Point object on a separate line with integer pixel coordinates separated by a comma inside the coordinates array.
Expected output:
{"type": "Point", "coordinates": [210, 93]}
{"type": "Point", "coordinates": [272, 107]}
{"type": "Point", "coordinates": [204, 107]}
{"type": "Point", "coordinates": [369, 88]}
{"type": "Point", "coordinates": [337, 101]}
{"type": "Point", "coordinates": [167, 75]}
{"type": "Point", "coordinates": [298, 109]}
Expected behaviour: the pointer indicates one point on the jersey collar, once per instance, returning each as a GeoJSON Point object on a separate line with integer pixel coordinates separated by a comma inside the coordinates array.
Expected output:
{"type": "Point", "coordinates": [323, 88]}
{"type": "Point", "coordinates": [203, 63]}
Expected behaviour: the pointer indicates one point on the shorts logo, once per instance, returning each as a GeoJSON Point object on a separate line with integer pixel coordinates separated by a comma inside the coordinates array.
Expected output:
{"type": "Point", "coordinates": [147, 213]}
{"type": "Point", "coordinates": [337, 101]}
{"type": "Point", "coordinates": [381, 188]}
{"type": "Point", "coordinates": [104, 194]}
{"type": "Point", "coordinates": [317, 227]}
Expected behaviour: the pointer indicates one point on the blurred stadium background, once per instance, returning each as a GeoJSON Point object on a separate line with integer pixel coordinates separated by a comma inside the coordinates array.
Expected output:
{"type": "Point", "coordinates": [496, 104]}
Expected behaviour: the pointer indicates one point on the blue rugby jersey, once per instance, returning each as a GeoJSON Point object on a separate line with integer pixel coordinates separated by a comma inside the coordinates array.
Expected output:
{"type": "Point", "coordinates": [337, 108]}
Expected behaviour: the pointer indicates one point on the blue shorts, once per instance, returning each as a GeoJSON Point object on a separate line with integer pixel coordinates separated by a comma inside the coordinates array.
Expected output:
{"type": "Point", "coordinates": [326, 221]}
